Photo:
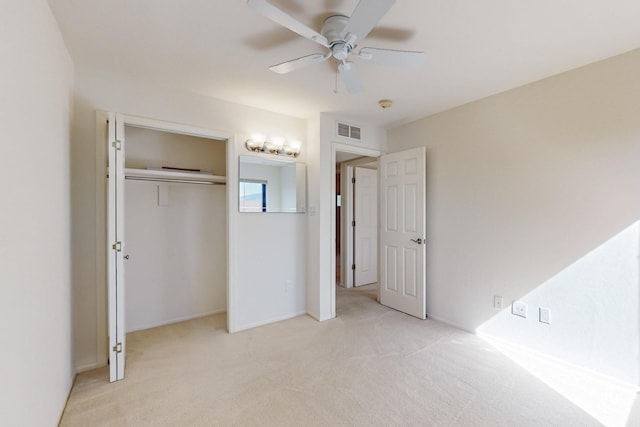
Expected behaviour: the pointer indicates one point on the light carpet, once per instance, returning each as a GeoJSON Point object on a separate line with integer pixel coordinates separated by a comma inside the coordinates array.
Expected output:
{"type": "Point", "coordinates": [371, 366]}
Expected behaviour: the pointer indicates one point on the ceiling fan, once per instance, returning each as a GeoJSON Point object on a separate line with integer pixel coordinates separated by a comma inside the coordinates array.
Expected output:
{"type": "Point", "coordinates": [340, 35]}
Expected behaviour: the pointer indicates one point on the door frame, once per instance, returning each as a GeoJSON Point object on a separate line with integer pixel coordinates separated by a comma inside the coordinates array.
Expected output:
{"type": "Point", "coordinates": [357, 231]}
{"type": "Point", "coordinates": [351, 149]}
{"type": "Point", "coordinates": [347, 172]}
{"type": "Point", "coordinates": [102, 318]}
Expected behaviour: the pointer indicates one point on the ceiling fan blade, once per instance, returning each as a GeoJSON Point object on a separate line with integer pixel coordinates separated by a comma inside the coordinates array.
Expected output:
{"type": "Point", "coordinates": [276, 15]}
{"type": "Point", "coordinates": [350, 77]}
{"type": "Point", "coordinates": [295, 64]}
{"type": "Point", "coordinates": [400, 58]}
{"type": "Point", "coordinates": [366, 15]}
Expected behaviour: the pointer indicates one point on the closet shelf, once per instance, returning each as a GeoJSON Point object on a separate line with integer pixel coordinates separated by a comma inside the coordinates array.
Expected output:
{"type": "Point", "coordinates": [168, 174]}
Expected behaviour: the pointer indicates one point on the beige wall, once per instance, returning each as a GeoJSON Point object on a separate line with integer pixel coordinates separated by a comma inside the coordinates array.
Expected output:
{"type": "Point", "coordinates": [533, 194]}
{"type": "Point", "coordinates": [36, 79]}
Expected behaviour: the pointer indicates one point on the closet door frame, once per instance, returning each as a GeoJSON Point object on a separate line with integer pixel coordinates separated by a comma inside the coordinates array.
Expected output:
{"type": "Point", "coordinates": [115, 246]}
{"type": "Point", "coordinates": [106, 318]}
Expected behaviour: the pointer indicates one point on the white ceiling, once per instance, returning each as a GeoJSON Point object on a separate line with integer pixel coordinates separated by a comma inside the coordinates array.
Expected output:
{"type": "Point", "coordinates": [222, 48]}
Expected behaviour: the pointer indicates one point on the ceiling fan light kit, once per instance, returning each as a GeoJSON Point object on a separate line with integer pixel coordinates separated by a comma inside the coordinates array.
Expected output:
{"type": "Point", "coordinates": [341, 35]}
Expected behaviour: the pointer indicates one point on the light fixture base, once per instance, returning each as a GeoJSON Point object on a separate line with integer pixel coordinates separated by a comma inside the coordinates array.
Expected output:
{"type": "Point", "coordinates": [277, 146]}
{"type": "Point", "coordinates": [385, 103]}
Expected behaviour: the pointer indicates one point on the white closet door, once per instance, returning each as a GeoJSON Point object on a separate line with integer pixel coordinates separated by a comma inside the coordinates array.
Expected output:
{"type": "Point", "coordinates": [115, 247]}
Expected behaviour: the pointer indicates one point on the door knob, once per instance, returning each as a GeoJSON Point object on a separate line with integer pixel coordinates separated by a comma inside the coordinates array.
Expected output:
{"type": "Point", "coordinates": [126, 256]}
{"type": "Point", "coordinates": [418, 241]}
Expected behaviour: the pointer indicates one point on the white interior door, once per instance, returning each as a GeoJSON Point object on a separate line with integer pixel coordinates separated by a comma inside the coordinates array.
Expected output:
{"type": "Point", "coordinates": [402, 231]}
{"type": "Point", "coordinates": [366, 226]}
{"type": "Point", "coordinates": [115, 247]}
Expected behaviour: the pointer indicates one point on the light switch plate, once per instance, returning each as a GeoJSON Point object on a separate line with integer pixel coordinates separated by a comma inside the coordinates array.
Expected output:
{"type": "Point", "coordinates": [545, 315]}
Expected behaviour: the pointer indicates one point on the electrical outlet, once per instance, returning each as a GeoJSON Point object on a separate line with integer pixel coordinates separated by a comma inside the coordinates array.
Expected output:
{"type": "Point", "coordinates": [545, 315]}
{"type": "Point", "coordinates": [519, 309]}
{"type": "Point", "coordinates": [497, 302]}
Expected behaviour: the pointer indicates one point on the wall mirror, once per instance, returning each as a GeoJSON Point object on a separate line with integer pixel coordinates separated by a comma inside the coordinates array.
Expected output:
{"type": "Point", "coordinates": [267, 185]}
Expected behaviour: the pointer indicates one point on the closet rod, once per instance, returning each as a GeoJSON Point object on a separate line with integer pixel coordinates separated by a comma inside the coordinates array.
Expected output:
{"type": "Point", "coordinates": [179, 181]}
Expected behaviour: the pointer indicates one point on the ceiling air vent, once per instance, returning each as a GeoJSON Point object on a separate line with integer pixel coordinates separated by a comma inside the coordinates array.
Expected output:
{"type": "Point", "coordinates": [348, 131]}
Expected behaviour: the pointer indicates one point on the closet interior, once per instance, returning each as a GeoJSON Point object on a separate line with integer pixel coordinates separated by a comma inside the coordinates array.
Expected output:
{"type": "Point", "coordinates": [175, 227]}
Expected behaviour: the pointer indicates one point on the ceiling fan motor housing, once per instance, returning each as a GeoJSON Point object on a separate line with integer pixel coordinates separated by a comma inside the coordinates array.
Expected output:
{"type": "Point", "coordinates": [341, 35]}
{"type": "Point", "coordinates": [333, 31]}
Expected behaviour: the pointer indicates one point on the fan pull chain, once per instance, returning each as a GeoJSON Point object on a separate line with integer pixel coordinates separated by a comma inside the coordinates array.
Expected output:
{"type": "Point", "coordinates": [335, 89]}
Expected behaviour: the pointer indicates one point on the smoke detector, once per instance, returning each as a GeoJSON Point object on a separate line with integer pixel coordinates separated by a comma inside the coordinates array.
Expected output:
{"type": "Point", "coordinates": [385, 103]}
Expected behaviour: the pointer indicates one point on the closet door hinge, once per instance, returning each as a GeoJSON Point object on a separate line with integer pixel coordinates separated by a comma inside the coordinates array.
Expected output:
{"type": "Point", "coordinates": [353, 223]}
{"type": "Point", "coordinates": [117, 144]}
{"type": "Point", "coordinates": [353, 180]}
{"type": "Point", "coordinates": [118, 348]}
{"type": "Point", "coordinates": [353, 266]}
{"type": "Point", "coordinates": [117, 246]}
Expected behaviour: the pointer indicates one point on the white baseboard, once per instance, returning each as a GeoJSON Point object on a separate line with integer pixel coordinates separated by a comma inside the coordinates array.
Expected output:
{"type": "Point", "coordinates": [542, 356]}
{"type": "Point", "coordinates": [515, 347]}
{"type": "Point", "coordinates": [176, 320]}
{"type": "Point", "coordinates": [266, 322]}
{"type": "Point", "coordinates": [450, 323]}
{"type": "Point", "coordinates": [89, 367]}
{"type": "Point", "coordinates": [313, 316]}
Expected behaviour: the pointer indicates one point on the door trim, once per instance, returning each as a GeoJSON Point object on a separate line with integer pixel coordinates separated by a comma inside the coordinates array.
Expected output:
{"type": "Point", "coordinates": [346, 190]}
{"type": "Point", "coordinates": [335, 147]}
{"type": "Point", "coordinates": [361, 277]}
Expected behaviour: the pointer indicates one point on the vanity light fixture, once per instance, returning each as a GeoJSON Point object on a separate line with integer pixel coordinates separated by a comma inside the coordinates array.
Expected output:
{"type": "Point", "coordinates": [256, 143]}
{"type": "Point", "coordinates": [292, 148]}
{"type": "Point", "coordinates": [275, 145]}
